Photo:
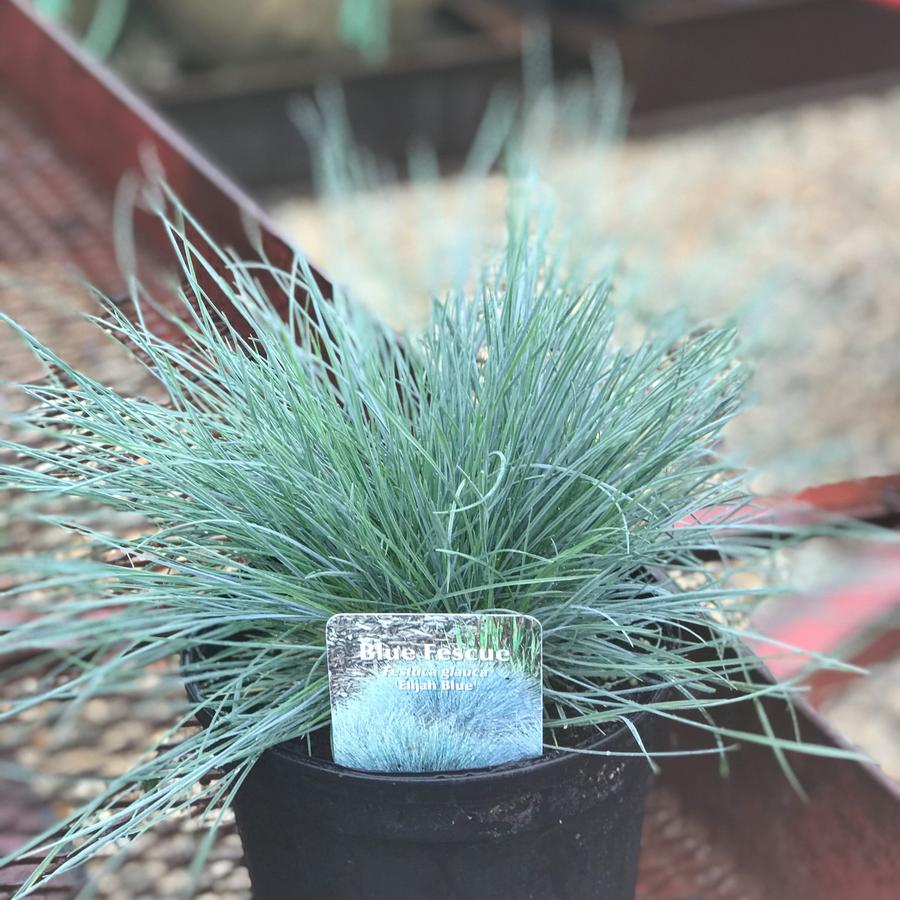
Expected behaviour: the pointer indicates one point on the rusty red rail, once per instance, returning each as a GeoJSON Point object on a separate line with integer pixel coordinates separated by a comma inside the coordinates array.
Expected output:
{"type": "Point", "coordinates": [114, 131]}
{"type": "Point", "coordinates": [875, 499]}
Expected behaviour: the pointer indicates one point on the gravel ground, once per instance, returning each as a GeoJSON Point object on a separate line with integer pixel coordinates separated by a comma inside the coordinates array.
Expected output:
{"type": "Point", "coordinates": [869, 713]}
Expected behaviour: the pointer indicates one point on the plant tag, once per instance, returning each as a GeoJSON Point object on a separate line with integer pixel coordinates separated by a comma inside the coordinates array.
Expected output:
{"type": "Point", "coordinates": [433, 692]}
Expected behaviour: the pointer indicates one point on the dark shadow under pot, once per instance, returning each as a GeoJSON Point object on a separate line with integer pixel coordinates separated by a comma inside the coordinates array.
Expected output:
{"type": "Point", "coordinates": [563, 827]}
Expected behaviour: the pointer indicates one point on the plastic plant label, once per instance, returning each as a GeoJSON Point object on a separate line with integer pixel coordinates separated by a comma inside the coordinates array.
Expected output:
{"type": "Point", "coordinates": [434, 693]}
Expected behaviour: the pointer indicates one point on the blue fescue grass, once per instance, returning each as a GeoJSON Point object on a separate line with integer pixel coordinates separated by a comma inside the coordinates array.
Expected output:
{"type": "Point", "coordinates": [385, 729]}
{"type": "Point", "coordinates": [510, 458]}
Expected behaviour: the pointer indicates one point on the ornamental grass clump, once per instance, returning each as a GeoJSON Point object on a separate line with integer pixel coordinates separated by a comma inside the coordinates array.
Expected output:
{"type": "Point", "coordinates": [306, 461]}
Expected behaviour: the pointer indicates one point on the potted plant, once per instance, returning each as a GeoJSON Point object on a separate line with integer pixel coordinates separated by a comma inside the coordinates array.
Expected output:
{"type": "Point", "coordinates": [305, 461]}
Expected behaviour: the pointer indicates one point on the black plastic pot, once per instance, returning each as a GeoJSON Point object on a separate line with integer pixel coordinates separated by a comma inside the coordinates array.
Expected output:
{"type": "Point", "coordinates": [563, 827]}
{"type": "Point", "coordinates": [566, 827]}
